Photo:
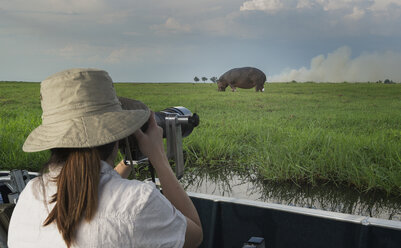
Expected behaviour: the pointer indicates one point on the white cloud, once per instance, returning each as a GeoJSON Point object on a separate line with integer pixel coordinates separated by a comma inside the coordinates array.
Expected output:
{"type": "Point", "coordinates": [358, 6]}
{"type": "Point", "coordinates": [276, 5]}
{"type": "Point", "coordinates": [389, 9]}
{"type": "Point", "coordinates": [349, 10]}
{"type": "Point", "coordinates": [171, 25]}
{"type": "Point", "coordinates": [338, 66]}
{"type": "Point", "coordinates": [383, 5]}
{"type": "Point", "coordinates": [356, 14]}
{"type": "Point", "coordinates": [305, 4]}
{"type": "Point", "coordinates": [327, 5]}
{"type": "Point", "coordinates": [331, 5]}
{"type": "Point", "coordinates": [271, 6]}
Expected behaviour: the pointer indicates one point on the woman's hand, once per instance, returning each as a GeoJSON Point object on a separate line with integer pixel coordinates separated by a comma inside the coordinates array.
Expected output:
{"type": "Point", "coordinates": [151, 141]}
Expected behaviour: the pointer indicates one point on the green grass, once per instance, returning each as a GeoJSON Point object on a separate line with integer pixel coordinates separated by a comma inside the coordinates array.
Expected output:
{"type": "Point", "coordinates": [306, 133]}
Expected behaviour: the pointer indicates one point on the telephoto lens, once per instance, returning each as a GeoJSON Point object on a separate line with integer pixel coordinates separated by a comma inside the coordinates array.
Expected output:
{"type": "Point", "coordinates": [185, 119]}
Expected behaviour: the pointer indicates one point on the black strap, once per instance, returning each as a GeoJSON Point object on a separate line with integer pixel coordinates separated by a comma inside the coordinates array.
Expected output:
{"type": "Point", "coordinates": [152, 172]}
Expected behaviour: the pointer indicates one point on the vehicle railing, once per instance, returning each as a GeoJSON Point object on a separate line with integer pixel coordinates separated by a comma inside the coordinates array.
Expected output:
{"type": "Point", "coordinates": [15, 181]}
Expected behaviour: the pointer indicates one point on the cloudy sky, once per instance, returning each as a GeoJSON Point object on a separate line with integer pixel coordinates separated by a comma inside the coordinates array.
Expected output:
{"type": "Point", "coordinates": [175, 40]}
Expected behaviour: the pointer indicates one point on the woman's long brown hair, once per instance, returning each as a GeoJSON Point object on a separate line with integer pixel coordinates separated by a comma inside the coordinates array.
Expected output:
{"type": "Point", "coordinates": [77, 187]}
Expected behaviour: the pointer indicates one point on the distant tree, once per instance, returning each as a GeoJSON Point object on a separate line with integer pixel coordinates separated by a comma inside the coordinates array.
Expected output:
{"type": "Point", "coordinates": [196, 79]}
{"type": "Point", "coordinates": [204, 79]}
{"type": "Point", "coordinates": [213, 79]}
{"type": "Point", "coordinates": [388, 81]}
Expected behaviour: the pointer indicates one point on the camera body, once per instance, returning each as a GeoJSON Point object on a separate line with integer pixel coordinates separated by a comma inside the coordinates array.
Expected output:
{"type": "Point", "coordinates": [176, 122]}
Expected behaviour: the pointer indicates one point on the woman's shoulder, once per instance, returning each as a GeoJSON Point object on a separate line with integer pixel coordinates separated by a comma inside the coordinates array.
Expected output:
{"type": "Point", "coordinates": [126, 187]}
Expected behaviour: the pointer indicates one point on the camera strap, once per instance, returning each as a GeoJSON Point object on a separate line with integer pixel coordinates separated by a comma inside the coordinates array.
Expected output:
{"type": "Point", "coordinates": [129, 155]}
{"type": "Point", "coordinates": [152, 172]}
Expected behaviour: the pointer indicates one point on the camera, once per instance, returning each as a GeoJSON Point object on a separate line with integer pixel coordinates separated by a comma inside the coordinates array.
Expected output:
{"type": "Point", "coordinates": [176, 122]}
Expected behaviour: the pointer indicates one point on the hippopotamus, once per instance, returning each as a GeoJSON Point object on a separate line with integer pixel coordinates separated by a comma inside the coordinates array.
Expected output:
{"type": "Point", "coordinates": [245, 77]}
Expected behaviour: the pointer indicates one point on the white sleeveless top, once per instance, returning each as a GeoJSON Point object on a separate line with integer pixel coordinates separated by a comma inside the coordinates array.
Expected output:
{"type": "Point", "coordinates": [130, 213]}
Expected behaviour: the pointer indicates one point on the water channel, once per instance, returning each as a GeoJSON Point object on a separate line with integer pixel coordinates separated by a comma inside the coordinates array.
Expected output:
{"type": "Point", "coordinates": [328, 197]}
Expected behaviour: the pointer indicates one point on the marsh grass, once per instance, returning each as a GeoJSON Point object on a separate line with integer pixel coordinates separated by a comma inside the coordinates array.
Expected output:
{"type": "Point", "coordinates": [305, 133]}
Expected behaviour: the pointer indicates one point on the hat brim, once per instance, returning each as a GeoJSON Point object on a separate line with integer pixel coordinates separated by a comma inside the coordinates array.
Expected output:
{"type": "Point", "coordinates": [130, 104]}
{"type": "Point", "coordinates": [89, 131]}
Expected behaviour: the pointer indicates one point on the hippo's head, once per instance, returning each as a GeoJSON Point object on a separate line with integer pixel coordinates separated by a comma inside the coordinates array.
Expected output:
{"type": "Point", "coordinates": [221, 86]}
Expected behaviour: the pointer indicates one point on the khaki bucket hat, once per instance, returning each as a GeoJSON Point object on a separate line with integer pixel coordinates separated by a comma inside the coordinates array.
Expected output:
{"type": "Point", "coordinates": [81, 109]}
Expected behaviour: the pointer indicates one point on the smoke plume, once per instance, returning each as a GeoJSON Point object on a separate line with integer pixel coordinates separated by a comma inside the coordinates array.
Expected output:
{"type": "Point", "coordinates": [340, 67]}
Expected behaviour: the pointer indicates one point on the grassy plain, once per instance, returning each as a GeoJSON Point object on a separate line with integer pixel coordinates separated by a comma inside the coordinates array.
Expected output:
{"type": "Point", "coordinates": [306, 133]}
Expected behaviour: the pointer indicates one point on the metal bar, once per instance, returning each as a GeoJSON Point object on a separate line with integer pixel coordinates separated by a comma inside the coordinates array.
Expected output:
{"type": "Point", "coordinates": [178, 153]}
{"type": "Point", "coordinates": [18, 180]}
{"type": "Point", "coordinates": [170, 123]}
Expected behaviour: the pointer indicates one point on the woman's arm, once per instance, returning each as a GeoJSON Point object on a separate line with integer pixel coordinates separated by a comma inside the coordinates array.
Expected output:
{"type": "Point", "coordinates": [122, 169]}
{"type": "Point", "coordinates": [151, 145]}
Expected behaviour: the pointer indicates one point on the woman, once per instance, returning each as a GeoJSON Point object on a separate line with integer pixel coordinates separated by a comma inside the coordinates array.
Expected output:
{"type": "Point", "coordinates": [80, 201]}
